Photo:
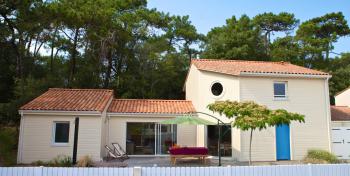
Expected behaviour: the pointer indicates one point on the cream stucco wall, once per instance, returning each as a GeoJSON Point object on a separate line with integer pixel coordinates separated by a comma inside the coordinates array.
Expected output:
{"type": "Point", "coordinates": [37, 136]}
{"type": "Point", "coordinates": [343, 99]}
{"type": "Point", "coordinates": [186, 134]}
{"type": "Point", "coordinates": [308, 96]}
{"type": "Point", "coordinates": [305, 96]}
{"type": "Point", "coordinates": [198, 90]}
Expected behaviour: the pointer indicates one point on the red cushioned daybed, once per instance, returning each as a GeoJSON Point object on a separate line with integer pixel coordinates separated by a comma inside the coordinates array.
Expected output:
{"type": "Point", "coordinates": [188, 152]}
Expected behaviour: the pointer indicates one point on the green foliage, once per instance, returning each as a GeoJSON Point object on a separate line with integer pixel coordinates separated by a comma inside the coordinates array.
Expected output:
{"type": "Point", "coordinates": [141, 52]}
{"type": "Point", "coordinates": [317, 36]}
{"type": "Point", "coordinates": [8, 145]}
{"type": "Point", "coordinates": [238, 39]}
{"type": "Point", "coordinates": [249, 115]}
{"type": "Point", "coordinates": [39, 163]}
{"type": "Point", "coordinates": [286, 49]}
{"type": "Point", "coordinates": [121, 45]}
{"type": "Point", "coordinates": [61, 161]}
{"type": "Point", "coordinates": [58, 161]}
{"type": "Point", "coordinates": [270, 23]}
{"type": "Point", "coordinates": [320, 157]}
{"type": "Point", "coordinates": [282, 22]}
{"type": "Point", "coordinates": [339, 67]}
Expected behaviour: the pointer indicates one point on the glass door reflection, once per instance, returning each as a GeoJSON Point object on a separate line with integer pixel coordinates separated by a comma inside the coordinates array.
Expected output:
{"type": "Point", "coordinates": [144, 138]}
{"type": "Point", "coordinates": [165, 138]}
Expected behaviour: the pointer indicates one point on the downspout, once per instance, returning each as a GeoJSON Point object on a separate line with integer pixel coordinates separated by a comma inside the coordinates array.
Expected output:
{"type": "Point", "coordinates": [108, 131]}
{"type": "Point", "coordinates": [328, 113]}
{"type": "Point", "coordinates": [20, 140]}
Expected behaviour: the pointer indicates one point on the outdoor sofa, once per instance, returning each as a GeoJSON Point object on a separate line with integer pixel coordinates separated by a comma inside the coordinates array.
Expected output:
{"type": "Point", "coordinates": [188, 152]}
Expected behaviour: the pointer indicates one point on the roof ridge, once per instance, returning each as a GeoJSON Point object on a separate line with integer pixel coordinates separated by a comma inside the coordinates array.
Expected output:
{"type": "Point", "coordinates": [126, 99]}
{"type": "Point", "coordinates": [238, 60]}
{"type": "Point", "coordinates": [236, 67]}
{"type": "Point", "coordinates": [76, 89]}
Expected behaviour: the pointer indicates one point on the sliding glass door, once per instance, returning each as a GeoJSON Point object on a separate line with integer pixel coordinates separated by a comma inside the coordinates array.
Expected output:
{"type": "Point", "coordinates": [149, 138]}
{"type": "Point", "coordinates": [165, 138]}
{"type": "Point", "coordinates": [213, 137]}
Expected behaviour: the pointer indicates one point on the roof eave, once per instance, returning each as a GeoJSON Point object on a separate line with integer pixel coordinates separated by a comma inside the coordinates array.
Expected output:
{"type": "Point", "coordinates": [284, 75]}
{"type": "Point", "coordinates": [118, 114]}
{"type": "Point", "coordinates": [59, 112]}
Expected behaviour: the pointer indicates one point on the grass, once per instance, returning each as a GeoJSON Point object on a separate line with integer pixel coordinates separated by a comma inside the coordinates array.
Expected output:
{"type": "Point", "coordinates": [8, 146]}
{"type": "Point", "coordinates": [320, 157]}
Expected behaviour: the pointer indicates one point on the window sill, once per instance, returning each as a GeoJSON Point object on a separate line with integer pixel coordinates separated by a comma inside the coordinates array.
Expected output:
{"type": "Point", "coordinates": [60, 145]}
{"type": "Point", "coordinates": [280, 99]}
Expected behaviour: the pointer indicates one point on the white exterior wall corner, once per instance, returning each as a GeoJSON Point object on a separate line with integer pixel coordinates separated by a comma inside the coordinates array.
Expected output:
{"type": "Point", "coordinates": [198, 90]}
{"type": "Point", "coordinates": [36, 135]}
{"type": "Point", "coordinates": [104, 130]}
{"type": "Point", "coordinates": [192, 93]}
{"type": "Point", "coordinates": [20, 139]}
{"type": "Point", "coordinates": [305, 96]}
{"type": "Point", "coordinates": [343, 98]}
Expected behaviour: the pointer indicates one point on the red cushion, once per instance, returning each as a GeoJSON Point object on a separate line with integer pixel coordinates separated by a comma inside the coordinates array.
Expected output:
{"type": "Point", "coordinates": [189, 151]}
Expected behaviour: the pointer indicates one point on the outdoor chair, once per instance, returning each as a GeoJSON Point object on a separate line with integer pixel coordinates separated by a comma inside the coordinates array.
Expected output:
{"type": "Point", "coordinates": [119, 150]}
{"type": "Point", "coordinates": [111, 155]}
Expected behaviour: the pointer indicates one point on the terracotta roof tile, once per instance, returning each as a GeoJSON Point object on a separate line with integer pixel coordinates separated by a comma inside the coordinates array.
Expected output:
{"type": "Point", "coordinates": [58, 99]}
{"type": "Point", "coordinates": [150, 106]}
{"type": "Point", "coordinates": [340, 113]}
{"type": "Point", "coordinates": [237, 67]}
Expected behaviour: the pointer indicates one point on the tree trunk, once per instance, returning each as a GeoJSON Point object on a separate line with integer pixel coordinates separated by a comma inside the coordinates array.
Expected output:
{"type": "Point", "coordinates": [109, 69]}
{"type": "Point", "coordinates": [52, 49]}
{"type": "Point", "coordinates": [267, 43]}
{"type": "Point", "coordinates": [73, 58]}
{"type": "Point", "coordinates": [327, 51]}
{"type": "Point", "coordinates": [250, 147]}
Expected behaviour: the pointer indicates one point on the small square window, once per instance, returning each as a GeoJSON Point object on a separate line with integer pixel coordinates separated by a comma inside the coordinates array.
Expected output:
{"type": "Point", "coordinates": [280, 89]}
{"type": "Point", "coordinates": [61, 133]}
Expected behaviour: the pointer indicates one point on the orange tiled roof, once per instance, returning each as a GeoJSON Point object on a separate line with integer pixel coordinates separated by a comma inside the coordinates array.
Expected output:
{"type": "Point", "coordinates": [237, 67]}
{"type": "Point", "coordinates": [340, 113]}
{"type": "Point", "coordinates": [150, 106]}
{"type": "Point", "coordinates": [71, 100]}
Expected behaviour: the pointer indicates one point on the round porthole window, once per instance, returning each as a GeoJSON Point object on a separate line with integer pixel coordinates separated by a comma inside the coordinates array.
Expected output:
{"type": "Point", "coordinates": [216, 89]}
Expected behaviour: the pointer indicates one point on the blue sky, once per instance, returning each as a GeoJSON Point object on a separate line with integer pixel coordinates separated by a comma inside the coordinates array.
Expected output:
{"type": "Point", "coordinates": [206, 14]}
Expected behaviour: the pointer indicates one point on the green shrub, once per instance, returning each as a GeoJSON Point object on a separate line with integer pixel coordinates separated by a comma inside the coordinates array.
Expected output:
{"type": "Point", "coordinates": [61, 161]}
{"type": "Point", "coordinates": [85, 161]}
{"type": "Point", "coordinates": [320, 157]}
{"type": "Point", "coordinates": [8, 146]}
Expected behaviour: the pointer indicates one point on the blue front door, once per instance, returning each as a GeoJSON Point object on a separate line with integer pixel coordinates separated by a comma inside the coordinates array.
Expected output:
{"type": "Point", "coordinates": [283, 142]}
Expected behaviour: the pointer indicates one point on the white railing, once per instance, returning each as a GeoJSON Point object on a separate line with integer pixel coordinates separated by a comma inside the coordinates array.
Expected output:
{"type": "Point", "coordinates": [277, 170]}
{"type": "Point", "coordinates": [65, 171]}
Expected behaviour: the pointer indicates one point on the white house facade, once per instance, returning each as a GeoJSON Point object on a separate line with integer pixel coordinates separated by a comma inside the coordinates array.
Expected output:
{"type": "Point", "coordinates": [278, 85]}
{"type": "Point", "coordinates": [49, 122]}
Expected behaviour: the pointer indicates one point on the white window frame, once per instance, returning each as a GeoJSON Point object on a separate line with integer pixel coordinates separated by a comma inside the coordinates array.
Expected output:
{"type": "Point", "coordinates": [280, 97]}
{"type": "Point", "coordinates": [53, 141]}
{"type": "Point", "coordinates": [223, 90]}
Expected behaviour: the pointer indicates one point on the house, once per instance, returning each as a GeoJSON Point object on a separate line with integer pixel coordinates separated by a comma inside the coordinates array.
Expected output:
{"type": "Point", "coordinates": [49, 124]}
{"type": "Point", "coordinates": [78, 122]}
{"type": "Point", "coordinates": [343, 98]}
{"type": "Point", "coordinates": [274, 84]}
{"type": "Point", "coordinates": [341, 125]}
